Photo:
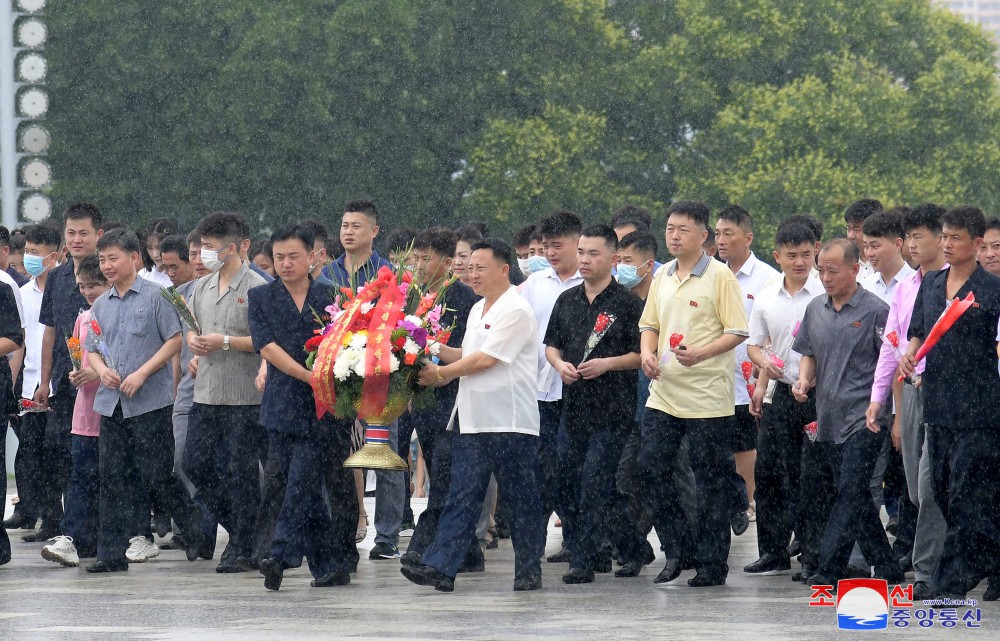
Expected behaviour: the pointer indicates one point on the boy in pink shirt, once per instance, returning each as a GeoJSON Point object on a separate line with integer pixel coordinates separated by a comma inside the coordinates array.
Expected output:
{"type": "Point", "coordinates": [79, 524]}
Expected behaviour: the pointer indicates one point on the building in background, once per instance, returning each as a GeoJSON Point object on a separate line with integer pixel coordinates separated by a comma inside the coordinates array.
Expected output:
{"type": "Point", "coordinates": [982, 12]}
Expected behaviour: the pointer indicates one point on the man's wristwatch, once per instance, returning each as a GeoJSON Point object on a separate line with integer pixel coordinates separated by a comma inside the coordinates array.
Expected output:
{"type": "Point", "coordinates": [225, 343]}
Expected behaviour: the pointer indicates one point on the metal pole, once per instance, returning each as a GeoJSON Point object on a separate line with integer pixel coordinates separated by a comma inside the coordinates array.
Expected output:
{"type": "Point", "coordinates": [8, 122]}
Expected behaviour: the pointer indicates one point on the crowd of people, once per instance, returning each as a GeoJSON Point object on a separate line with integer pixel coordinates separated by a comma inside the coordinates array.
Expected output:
{"type": "Point", "coordinates": [583, 381]}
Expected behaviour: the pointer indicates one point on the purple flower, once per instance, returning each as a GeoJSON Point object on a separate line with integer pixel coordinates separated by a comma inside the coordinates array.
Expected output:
{"type": "Point", "coordinates": [419, 336]}
{"type": "Point", "coordinates": [407, 325]}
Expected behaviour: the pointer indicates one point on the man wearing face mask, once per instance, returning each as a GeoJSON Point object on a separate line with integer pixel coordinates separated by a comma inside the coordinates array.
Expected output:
{"type": "Point", "coordinates": [529, 249]}
{"type": "Point", "coordinates": [223, 429]}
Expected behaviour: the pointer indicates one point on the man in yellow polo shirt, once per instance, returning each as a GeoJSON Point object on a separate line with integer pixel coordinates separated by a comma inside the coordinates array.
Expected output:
{"type": "Point", "coordinates": [692, 321]}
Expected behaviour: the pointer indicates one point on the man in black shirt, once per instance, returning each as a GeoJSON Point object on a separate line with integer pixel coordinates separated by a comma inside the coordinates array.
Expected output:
{"type": "Point", "coordinates": [11, 339]}
{"type": "Point", "coordinates": [961, 386]}
{"type": "Point", "coordinates": [592, 341]}
{"type": "Point", "coordinates": [62, 302]}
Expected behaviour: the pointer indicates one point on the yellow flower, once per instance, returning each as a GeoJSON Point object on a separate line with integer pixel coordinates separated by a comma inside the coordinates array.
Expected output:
{"type": "Point", "coordinates": [347, 339]}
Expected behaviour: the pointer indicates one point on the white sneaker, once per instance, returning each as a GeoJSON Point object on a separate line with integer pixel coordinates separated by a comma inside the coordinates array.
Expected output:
{"type": "Point", "coordinates": [62, 551]}
{"type": "Point", "coordinates": [140, 549]}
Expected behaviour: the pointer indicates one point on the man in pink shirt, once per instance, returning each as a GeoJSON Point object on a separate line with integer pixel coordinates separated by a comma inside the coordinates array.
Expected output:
{"type": "Point", "coordinates": [923, 233]}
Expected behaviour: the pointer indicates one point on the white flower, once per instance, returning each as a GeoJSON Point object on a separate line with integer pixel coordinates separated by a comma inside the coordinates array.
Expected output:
{"type": "Point", "coordinates": [366, 307]}
{"type": "Point", "coordinates": [341, 369]}
{"type": "Point", "coordinates": [410, 347]}
{"type": "Point", "coordinates": [359, 341]}
{"type": "Point", "coordinates": [434, 347]}
{"type": "Point", "coordinates": [416, 320]}
{"type": "Point", "coordinates": [393, 364]}
{"type": "Point", "coordinates": [359, 367]}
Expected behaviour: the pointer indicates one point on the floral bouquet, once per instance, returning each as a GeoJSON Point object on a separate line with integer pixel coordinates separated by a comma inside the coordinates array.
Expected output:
{"type": "Point", "coordinates": [892, 340]}
{"type": "Point", "coordinates": [952, 312]}
{"type": "Point", "coordinates": [75, 352]}
{"type": "Point", "coordinates": [676, 338]}
{"type": "Point", "coordinates": [366, 357]}
{"type": "Point", "coordinates": [746, 368]}
{"type": "Point", "coordinates": [601, 326]}
{"type": "Point", "coordinates": [100, 345]}
{"type": "Point", "coordinates": [178, 303]}
{"type": "Point", "coordinates": [27, 406]}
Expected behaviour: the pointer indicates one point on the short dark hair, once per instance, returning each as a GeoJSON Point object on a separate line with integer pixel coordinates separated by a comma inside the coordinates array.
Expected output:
{"type": "Point", "coordinates": [399, 240]}
{"type": "Point", "coordinates": [296, 231]}
{"type": "Point", "coordinates": [500, 249]}
{"type": "Point", "coordinates": [89, 270]}
{"type": "Point", "coordinates": [927, 215]}
{"type": "Point", "coordinates": [194, 238]}
{"type": "Point", "coordinates": [160, 229]}
{"type": "Point", "coordinates": [813, 223]}
{"type": "Point", "coordinates": [333, 247]}
{"type": "Point", "coordinates": [883, 225]}
{"type": "Point", "coordinates": [365, 207]}
{"type": "Point", "coordinates": [860, 210]}
{"type": "Point", "coordinates": [260, 246]}
{"type": "Point", "coordinates": [526, 234]}
{"type": "Point", "coordinates": [320, 233]}
{"type": "Point", "coordinates": [176, 244]}
{"type": "Point", "coordinates": [710, 239]}
{"type": "Point", "coordinates": [642, 241]}
{"type": "Point", "coordinates": [4, 236]}
{"type": "Point", "coordinates": [114, 224]}
{"type": "Point", "coordinates": [696, 211]}
{"type": "Point", "coordinates": [439, 240]}
{"type": "Point", "coordinates": [560, 224]}
{"type": "Point", "coordinates": [225, 225]}
{"type": "Point", "coordinates": [794, 235]}
{"type": "Point", "coordinates": [993, 223]}
{"type": "Point", "coordinates": [79, 211]}
{"type": "Point", "coordinates": [469, 234]}
{"type": "Point", "coordinates": [122, 238]}
{"type": "Point", "coordinates": [17, 243]}
{"type": "Point", "coordinates": [607, 232]}
{"type": "Point", "coordinates": [632, 215]}
{"type": "Point", "coordinates": [483, 228]}
{"type": "Point", "coordinates": [737, 216]}
{"type": "Point", "coordinates": [971, 219]}
{"type": "Point", "coordinates": [851, 254]}
{"type": "Point", "coordinates": [42, 234]}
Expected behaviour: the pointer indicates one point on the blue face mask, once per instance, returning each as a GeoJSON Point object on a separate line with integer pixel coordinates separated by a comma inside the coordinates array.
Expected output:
{"type": "Point", "coordinates": [537, 264]}
{"type": "Point", "coordinates": [628, 275]}
{"type": "Point", "coordinates": [34, 265]}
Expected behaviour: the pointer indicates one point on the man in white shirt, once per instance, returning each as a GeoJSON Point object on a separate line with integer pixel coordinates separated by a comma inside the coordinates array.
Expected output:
{"type": "Point", "coordinates": [496, 416]}
{"type": "Point", "coordinates": [855, 216]}
{"type": "Point", "coordinates": [733, 237]}
{"type": "Point", "coordinates": [560, 237]}
{"type": "Point", "coordinates": [883, 244]}
{"type": "Point", "coordinates": [776, 315]}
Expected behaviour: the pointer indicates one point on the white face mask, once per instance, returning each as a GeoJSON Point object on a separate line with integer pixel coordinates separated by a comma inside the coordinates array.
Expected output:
{"type": "Point", "coordinates": [210, 259]}
{"type": "Point", "coordinates": [522, 264]}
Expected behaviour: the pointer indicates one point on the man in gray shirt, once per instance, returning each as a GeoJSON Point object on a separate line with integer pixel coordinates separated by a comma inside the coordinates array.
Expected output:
{"type": "Point", "coordinates": [840, 343]}
{"type": "Point", "coordinates": [141, 333]}
{"type": "Point", "coordinates": [225, 441]}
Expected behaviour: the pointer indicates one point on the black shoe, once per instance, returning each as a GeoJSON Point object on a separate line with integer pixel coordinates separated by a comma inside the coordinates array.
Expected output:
{"type": "Point", "coordinates": [493, 543]}
{"type": "Point", "coordinates": [175, 542]}
{"type": "Point", "coordinates": [706, 580]}
{"type": "Point", "coordinates": [101, 567]}
{"type": "Point", "coordinates": [740, 522]}
{"type": "Point", "coordinates": [578, 575]}
{"type": "Point", "coordinates": [18, 521]}
{"type": "Point", "coordinates": [922, 590]}
{"type": "Point", "coordinates": [383, 551]}
{"type": "Point", "coordinates": [42, 535]}
{"type": "Point", "coordinates": [630, 570]}
{"type": "Point", "coordinates": [769, 564]}
{"type": "Point", "coordinates": [992, 590]}
{"type": "Point", "coordinates": [161, 524]}
{"type": "Point", "coordinates": [906, 564]}
{"type": "Point", "coordinates": [802, 576]}
{"type": "Point", "coordinates": [426, 575]}
{"type": "Point", "coordinates": [273, 571]}
{"type": "Point", "coordinates": [331, 579]}
{"type": "Point", "coordinates": [477, 566]}
{"type": "Point", "coordinates": [530, 582]}
{"type": "Point", "coordinates": [794, 548]}
{"type": "Point", "coordinates": [411, 558]}
{"type": "Point", "coordinates": [248, 563]}
{"type": "Point", "coordinates": [854, 572]}
{"type": "Point", "coordinates": [819, 579]}
{"type": "Point", "coordinates": [227, 567]}
{"type": "Point", "coordinates": [601, 562]}
{"type": "Point", "coordinates": [562, 556]}
{"type": "Point", "coordinates": [670, 571]}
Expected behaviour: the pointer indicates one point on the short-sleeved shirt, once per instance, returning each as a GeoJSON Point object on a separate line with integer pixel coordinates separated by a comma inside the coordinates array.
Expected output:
{"type": "Point", "coordinates": [845, 345]}
{"type": "Point", "coordinates": [10, 328]}
{"type": "Point", "coordinates": [185, 389]}
{"type": "Point", "coordinates": [16, 289]}
{"type": "Point", "coordinates": [135, 326]}
{"type": "Point", "coordinates": [31, 296]}
{"type": "Point", "coordinates": [777, 315]}
{"type": "Point", "coordinates": [226, 377]}
{"type": "Point", "coordinates": [703, 307]}
{"type": "Point", "coordinates": [288, 404]}
{"type": "Point", "coordinates": [752, 277]}
{"type": "Point", "coordinates": [608, 401]}
{"type": "Point", "coordinates": [541, 291]}
{"type": "Point", "coordinates": [337, 272]}
{"type": "Point", "coordinates": [86, 422]}
{"type": "Point", "coordinates": [501, 398]}
{"type": "Point", "coordinates": [62, 302]}
{"type": "Point", "coordinates": [960, 382]}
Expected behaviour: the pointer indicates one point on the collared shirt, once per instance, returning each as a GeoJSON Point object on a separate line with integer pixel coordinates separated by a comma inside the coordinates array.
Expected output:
{"type": "Point", "coordinates": [877, 285]}
{"type": "Point", "coordinates": [226, 377]}
{"type": "Point", "coordinates": [288, 404]}
{"type": "Point", "coordinates": [501, 398]}
{"type": "Point", "coordinates": [608, 401]}
{"type": "Point", "coordinates": [10, 328]}
{"type": "Point", "coordinates": [752, 277]}
{"type": "Point", "coordinates": [16, 289]}
{"type": "Point", "coordinates": [185, 389]}
{"type": "Point", "coordinates": [960, 382]}
{"type": "Point", "coordinates": [865, 272]}
{"type": "Point", "coordinates": [135, 326]}
{"type": "Point", "coordinates": [86, 422]}
{"type": "Point", "coordinates": [702, 307]}
{"type": "Point", "coordinates": [156, 276]}
{"type": "Point", "coordinates": [845, 345]}
{"type": "Point", "coordinates": [337, 272]}
{"type": "Point", "coordinates": [62, 302]}
{"type": "Point", "coordinates": [31, 296]}
{"type": "Point", "coordinates": [541, 291]}
{"type": "Point", "coordinates": [777, 315]}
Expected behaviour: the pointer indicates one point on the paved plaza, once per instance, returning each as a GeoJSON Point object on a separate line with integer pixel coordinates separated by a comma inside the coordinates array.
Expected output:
{"type": "Point", "coordinates": [170, 599]}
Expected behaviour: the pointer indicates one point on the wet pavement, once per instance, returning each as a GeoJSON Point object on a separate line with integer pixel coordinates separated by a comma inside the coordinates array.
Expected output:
{"type": "Point", "coordinates": [168, 598]}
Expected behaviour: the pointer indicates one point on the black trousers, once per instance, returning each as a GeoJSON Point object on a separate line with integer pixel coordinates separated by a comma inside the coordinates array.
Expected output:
{"type": "Point", "coordinates": [778, 470]}
{"type": "Point", "coordinates": [965, 473]}
{"type": "Point", "coordinates": [56, 460]}
{"type": "Point", "coordinates": [4, 539]}
{"type": "Point", "coordinates": [136, 462]}
{"type": "Point", "coordinates": [224, 448]}
{"type": "Point", "coordinates": [28, 462]}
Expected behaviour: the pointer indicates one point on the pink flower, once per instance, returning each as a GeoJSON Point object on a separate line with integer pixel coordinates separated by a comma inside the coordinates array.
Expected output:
{"type": "Point", "coordinates": [434, 319]}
